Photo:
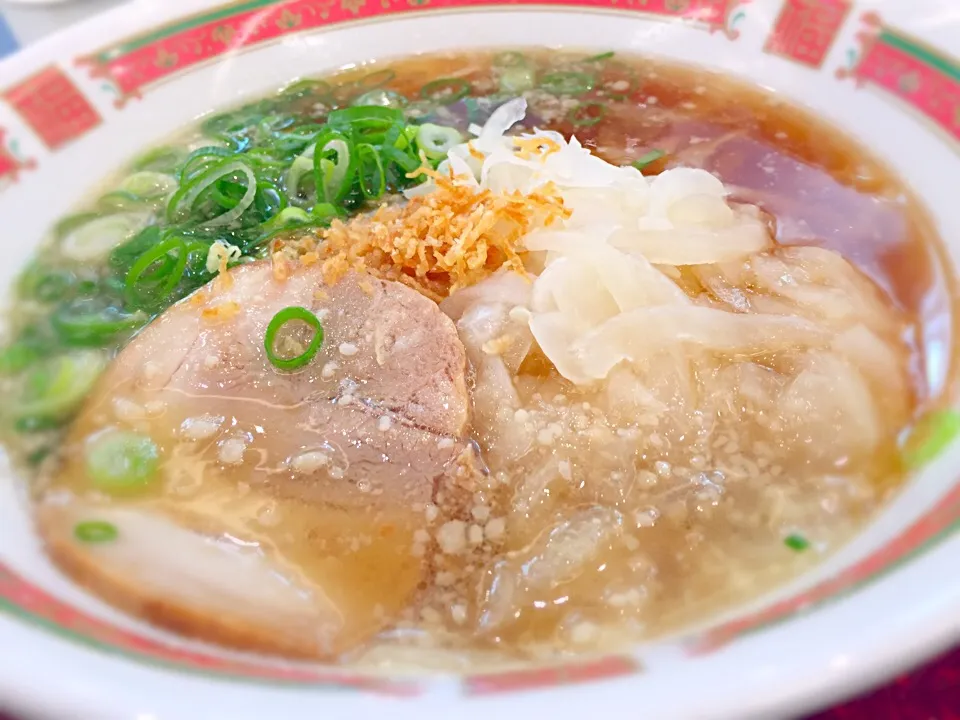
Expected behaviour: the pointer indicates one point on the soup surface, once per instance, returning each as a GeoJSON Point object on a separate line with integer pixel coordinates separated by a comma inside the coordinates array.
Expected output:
{"type": "Point", "coordinates": [386, 368]}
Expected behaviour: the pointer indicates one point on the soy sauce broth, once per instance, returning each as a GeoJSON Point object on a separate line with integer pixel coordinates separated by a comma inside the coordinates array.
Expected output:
{"type": "Point", "coordinates": [818, 187]}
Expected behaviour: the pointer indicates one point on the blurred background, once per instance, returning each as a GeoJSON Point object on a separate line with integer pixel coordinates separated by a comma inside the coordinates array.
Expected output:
{"type": "Point", "coordinates": [25, 21]}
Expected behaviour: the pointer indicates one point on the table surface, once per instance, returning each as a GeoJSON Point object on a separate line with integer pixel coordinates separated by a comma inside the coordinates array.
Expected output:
{"type": "Point", "coordinates": [930, 693]}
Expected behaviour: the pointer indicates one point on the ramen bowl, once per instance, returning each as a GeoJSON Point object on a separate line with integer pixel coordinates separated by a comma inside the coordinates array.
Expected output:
{"type": "Point", "coordinates": [78, 106]}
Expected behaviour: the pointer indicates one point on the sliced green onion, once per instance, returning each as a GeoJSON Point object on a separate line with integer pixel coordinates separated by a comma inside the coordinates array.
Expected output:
{"type": "Point", "coordinates": [269, 200]}
{"type": "Point", "coordinates": [87, 288]}
{"type": "Point", "coordinates": [182, 202]}
{"type": "Point", "coordinates": [930, 437]}
{"type": "Point", "coordinates": [600, 57]}
{"type": "Point", "coordinates": [45, 284]}
{"type": "Point", "coordinates": [567, 83]}
{"type": "Point", "coordinates": [648, 158]}
{"type": "Point", "coordinates": [88, 323]}
{"type": "Point", "coordinates": [587, 114]}
{"type": "Point", "coordinates": [367, 123]}
{"type": "Point", "coordinates": [201, 159]}
{"type": "Point", "coordinates": [228, 193]}
{"type": "Point", "coordinates": [234, 127]}
{"type": "Point", "coordinates": [272, 124]}
{"type": "Point", "coordinates": [148, 184]}
{"type": "Point", "coordinates": [303, 134]}
{"type": "Point", "coordinates": [796, 542]}
{"type": "Point", "coordinates": [120, 461]}
{"type": "Point", "coordinates": [619, 80]}
{"type": "Point", "coordinates": [27, 425]}
{"type": "Point", "coordinates": [38, 456]}
{"type": "Point", "coordinates": [93, 240]}
{"type": "Point", "coordinates": [292, 216]}
{"type": "Point", "coordinates": [163, 159]}
{"type": "Point", "coordinates": [121, 201]}
{"type": "Point", "coordinates": [298, 169]}
{"type": "Point", "coordinates": [323, 213]}
{"type": "Point", "coordinates": [437, 140]}
{"type": "Point", "coordinates": [510, 59]}
{"type": "Point", "coordinates": [302, 88]}
{"type": "Point", "coordinates": [54, 388]}
{"type": "Point", "coordinates": [70, 223]}
{"type": "Point", "coordinates": [155, 274]}
{"type": "Point", "coordinates": [375, 79]}
{"type": "Point", "coordinates": [445, 90]}
{"type": "Point", "coordinates": [333, 178]}
{"type": "Point", "coordinates": [17, 358]}
{"type": "Point", "coordinates": [279, 320]}
{"type": "Point", "coordinates": [95, 531]}
{"type": "Point", "coordinates": [518, 79]}
{"type": "Point", "coordinates": [373, 180]}
{"type": "Point", "coordinates": [381, 98]}
{"type": "Point", "coordinates": [405, 161]}
{"type": "Point", "coordinates": [123, 257]}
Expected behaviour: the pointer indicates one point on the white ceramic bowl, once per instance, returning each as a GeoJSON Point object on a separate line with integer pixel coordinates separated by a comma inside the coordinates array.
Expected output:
{"type": "Point", "coordinates": [80, 103]}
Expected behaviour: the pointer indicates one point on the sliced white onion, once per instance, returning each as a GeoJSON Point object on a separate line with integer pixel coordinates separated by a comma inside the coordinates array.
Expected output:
{"type": "Point", "coordinates": [637, 335]}
{"type": "Point", "coordinates": [696, 246]}
{"type": "Point", "coordinates": [501, 120]}
{"type": "Point", "coordinates": [502, 287]}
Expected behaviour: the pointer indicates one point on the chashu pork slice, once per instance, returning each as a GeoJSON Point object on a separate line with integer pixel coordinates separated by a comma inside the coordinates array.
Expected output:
{"type": "Point", "coordinates": [284, 510]}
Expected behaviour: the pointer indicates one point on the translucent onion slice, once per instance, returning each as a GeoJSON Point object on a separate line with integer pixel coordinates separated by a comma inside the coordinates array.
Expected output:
{"type": "Point", "coordinates": [637, 335]}
{"type": "Point", "coordinates": [696, 246]}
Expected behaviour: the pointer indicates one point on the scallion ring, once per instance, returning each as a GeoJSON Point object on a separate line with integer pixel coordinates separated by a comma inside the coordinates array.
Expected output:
{"type": "Point", "coordinates": [95, 531]}
{"type": "Point", "coordinates": [373, 179]}
{"type": "Point", "coordinates": [376, 79]}
{"type": "Point", "coordinates": [510, 59]}
{"type": "Point", "coordinates": [298, 169]}
{"type": "Point", "coordinates": [121, 461]}
{"type": "Point", "coordinates": [333, 178]}
{"type": "Point", "coordinates": [182, 202]}
{"type": "Point", "coordinates": [587, 114]}
{"type": "Point", "coordinates": [201, 159]}
{"type": "Point", "coordinates": [289, 314]}
{"type": "Point", "coordinates": [380, 97]}
{"type": "Point", "coordinates": [436, 140]}
{"type": "Point", "coordinates": [55, 387]}
{"type": "Point", "coordinates": [567, 83]}
{"type": "Point", "coordinates": [600, 58]}
{"type": "Point", "coordinates": [302, 88]}
{"type": "Point", "coordinates": [796, 542]}
{"type": "Point", "coordinates": [87, 323]}
{"type": "Point", "coordinates": [142, 286]}
{"type": "Point", "coordinates": [517, 79]}
{"type": "Point", "coordinates": [162, 159]}
{"type": "Point", "coordinates": [445, 90]}
{"type": "Point", "coordinates": [148, 184]}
